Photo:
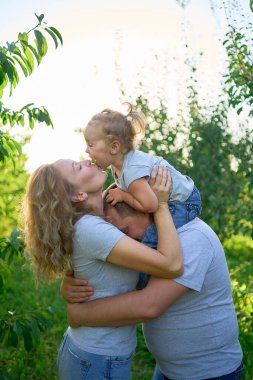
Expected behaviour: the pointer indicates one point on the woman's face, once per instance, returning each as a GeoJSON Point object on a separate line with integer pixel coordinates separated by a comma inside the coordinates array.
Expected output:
{"type": "Point", "coordinates": [85, 176]}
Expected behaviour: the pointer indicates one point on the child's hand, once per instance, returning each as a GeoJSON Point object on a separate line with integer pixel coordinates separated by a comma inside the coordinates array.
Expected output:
{"type": "Point", "coordinates": [106, 191]}
{"type": "Point", "coordinates": [114, 196]}
{"type": "Point", "coordinates": [160, 182]}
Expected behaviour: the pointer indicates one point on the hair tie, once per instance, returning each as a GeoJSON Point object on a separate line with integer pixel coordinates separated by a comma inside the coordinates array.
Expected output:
{"type": "Point", "coordinates": [129, 118]}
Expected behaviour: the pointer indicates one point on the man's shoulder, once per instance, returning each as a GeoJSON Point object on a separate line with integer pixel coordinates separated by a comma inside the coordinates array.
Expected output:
{"type": "Point", "coordinates": [198, 228]}
{"type": "Point", "coordinates": [195, 224]}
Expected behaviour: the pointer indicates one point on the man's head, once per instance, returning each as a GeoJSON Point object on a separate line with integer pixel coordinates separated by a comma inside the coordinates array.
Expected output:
{"type": "Point", "coordinates": [128, 220]}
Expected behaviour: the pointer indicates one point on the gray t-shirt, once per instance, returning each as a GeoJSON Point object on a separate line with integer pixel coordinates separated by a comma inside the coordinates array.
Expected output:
{"type": "Point", "coordinates": [138, 164]}
{"type": "Point", "coordinates": [94, 239]}
{"type": "Point", "coordinates": [197, 337]}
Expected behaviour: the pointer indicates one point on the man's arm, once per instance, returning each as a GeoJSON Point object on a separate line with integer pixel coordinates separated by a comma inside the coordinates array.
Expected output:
{"type": "Point", "coordinates": [128, 308]}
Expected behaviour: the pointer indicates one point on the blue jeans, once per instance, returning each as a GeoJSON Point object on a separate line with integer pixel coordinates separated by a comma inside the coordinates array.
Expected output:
{"type": "Point", "coordinates": [236, 375]}
{"type": "Point", "coordinates": [75, 364]}
{"type": "Point", "coordinates": [181, 212]}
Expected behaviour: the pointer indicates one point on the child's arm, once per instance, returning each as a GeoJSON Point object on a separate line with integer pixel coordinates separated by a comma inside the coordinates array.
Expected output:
{"type": "Point", "coordinates": [139, 195]}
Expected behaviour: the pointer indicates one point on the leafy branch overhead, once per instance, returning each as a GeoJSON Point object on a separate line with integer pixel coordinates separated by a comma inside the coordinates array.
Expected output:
{"type": "Point", "coordinates": [21, 57]}
{"type": "Point", "coordinates": [25, 54]}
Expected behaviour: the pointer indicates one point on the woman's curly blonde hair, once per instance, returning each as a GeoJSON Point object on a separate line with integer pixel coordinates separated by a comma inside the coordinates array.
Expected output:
{"type": "Point", "coordinates": [48, 222]}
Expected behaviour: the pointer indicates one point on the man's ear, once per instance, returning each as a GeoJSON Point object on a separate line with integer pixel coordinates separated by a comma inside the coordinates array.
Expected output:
{"type": "Point", "coordinates": [115, 147]}
{"type": "Point", "coordinates": [79, 197]}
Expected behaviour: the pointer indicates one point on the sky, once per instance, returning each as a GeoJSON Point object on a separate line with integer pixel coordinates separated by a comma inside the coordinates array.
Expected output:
{"type": "Point", "coordinates": [108, 46]}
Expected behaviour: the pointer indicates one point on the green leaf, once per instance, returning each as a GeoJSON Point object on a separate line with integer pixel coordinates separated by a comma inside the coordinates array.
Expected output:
{"type": "Point", "coordinates": [21, 64]}
{"type": "Point", "coordinates": [55, 31]}
{"type": "Point", "coordinates": [29, 56]}
{"type": "Point", "coordinates": [12, 339]}
{"type": "Point", "coordinates": [53, 36]}
{"type": "Point", "coordinates": [17, 146]}
{"type": "Point", "coordinates": [23, 37]}
{"type": "Point", "coordinates": [10, 144]}
{"type": "Point", "coordinates": [12, 74]}
{"type": "Point", "coordinates": [28, 341]}
{"type": "Point", "coordinates": [34, 51]}
{"type": "Point", "coordinates": [3, 81]}
{"type": "Point", "coordinates": [18, 328]}
{"type": "Point", "coordinates": [31, 121]}
{"type": "Point", "coordinates": [3, 153]}
{"type": "Point", "coordinates": [40, 17]}
{"type": "Point", "coordinates": [26, 106]}
{"type": "Point", "coordinates": [41, 43]}
{"type": "Point", "coordinates": [251, 5]}
{"type": "Point", "coordinates": [13, 48]}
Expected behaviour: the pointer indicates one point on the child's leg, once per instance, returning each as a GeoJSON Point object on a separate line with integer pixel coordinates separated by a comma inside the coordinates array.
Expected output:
{"type": "Point", "coordinates": [181, 212]}
{"type": "Point", "coordinates": [184, 212]}
{"type": "Point", "coordinates": [150, 237]}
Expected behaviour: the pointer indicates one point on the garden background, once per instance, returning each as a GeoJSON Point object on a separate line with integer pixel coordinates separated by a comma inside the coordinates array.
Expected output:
{"type": "Point", "coordinates": [199, 118]}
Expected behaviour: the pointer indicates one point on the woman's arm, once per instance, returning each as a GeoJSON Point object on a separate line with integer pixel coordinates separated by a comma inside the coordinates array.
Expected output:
{"type": "Point", "coordinates": [166, 261]}
{"type": "Point", "coordinates": [128, 308]}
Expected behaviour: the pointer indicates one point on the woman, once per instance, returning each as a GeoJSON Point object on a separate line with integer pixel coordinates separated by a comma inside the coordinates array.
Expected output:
{"type": "Point", "coordinates": [63, 214]}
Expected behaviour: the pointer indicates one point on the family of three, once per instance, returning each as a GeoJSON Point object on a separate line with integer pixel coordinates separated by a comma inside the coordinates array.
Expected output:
{"type": "Point", "coordinates": [125, 239]}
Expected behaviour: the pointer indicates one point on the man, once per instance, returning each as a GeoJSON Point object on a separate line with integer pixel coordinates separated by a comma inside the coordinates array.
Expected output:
{"type": "Point", "coordinates": [190, 322]}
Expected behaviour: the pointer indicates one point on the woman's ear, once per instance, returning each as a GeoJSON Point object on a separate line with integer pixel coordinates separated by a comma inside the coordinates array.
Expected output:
{"type": "Point", "coordinates": [79, 197]}
{"type": "Point", "coordinates": [115, 147]}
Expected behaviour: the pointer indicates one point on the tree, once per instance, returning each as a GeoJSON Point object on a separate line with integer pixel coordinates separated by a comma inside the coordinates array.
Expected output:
{"type": "Point", "coordinates": [238, 44]}
{"type": "Point", "coordinates": [204, 149]}
{"type": "Point", "coordinates": [12, 185]}
{"type": "Point", "coordinates": [18, 58]}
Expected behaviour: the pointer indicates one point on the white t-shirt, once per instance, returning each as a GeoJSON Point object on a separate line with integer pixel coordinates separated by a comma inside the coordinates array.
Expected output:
{"type": "Point", "coordinates": [93, 240]}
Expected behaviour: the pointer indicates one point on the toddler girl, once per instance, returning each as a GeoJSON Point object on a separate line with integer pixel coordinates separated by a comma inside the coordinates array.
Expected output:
{"type": "Point", "coordinates": [111, 138]}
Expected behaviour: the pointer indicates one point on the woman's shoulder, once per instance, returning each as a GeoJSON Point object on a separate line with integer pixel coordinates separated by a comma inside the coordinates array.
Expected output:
{"type": "Point", "coordinates": [94, 225]}
{"type": "Point", "coordinates": [90, 220]}
{"type": "Point", "coordinates": [95, 233]}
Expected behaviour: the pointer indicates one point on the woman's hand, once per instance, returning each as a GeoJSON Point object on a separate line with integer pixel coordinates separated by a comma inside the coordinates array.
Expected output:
{"type": "Point", "coordinates": [75, 290]}
{"type": "Point", "coordinates": [160, 183]}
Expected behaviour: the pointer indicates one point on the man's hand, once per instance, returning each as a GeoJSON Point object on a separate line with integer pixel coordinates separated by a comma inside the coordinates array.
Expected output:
{"type": "Point", "coordinates": [73, 289]}
{"type": "Point", "coordinates": [114, 196]}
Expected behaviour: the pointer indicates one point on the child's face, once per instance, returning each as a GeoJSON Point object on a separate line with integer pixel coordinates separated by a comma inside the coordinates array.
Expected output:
{"type": "Point", "coordinates": [97, 147]}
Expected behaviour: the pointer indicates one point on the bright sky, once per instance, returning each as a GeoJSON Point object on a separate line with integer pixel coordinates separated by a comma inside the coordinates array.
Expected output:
{"type": "Point", "coordinates": [104, 42]}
